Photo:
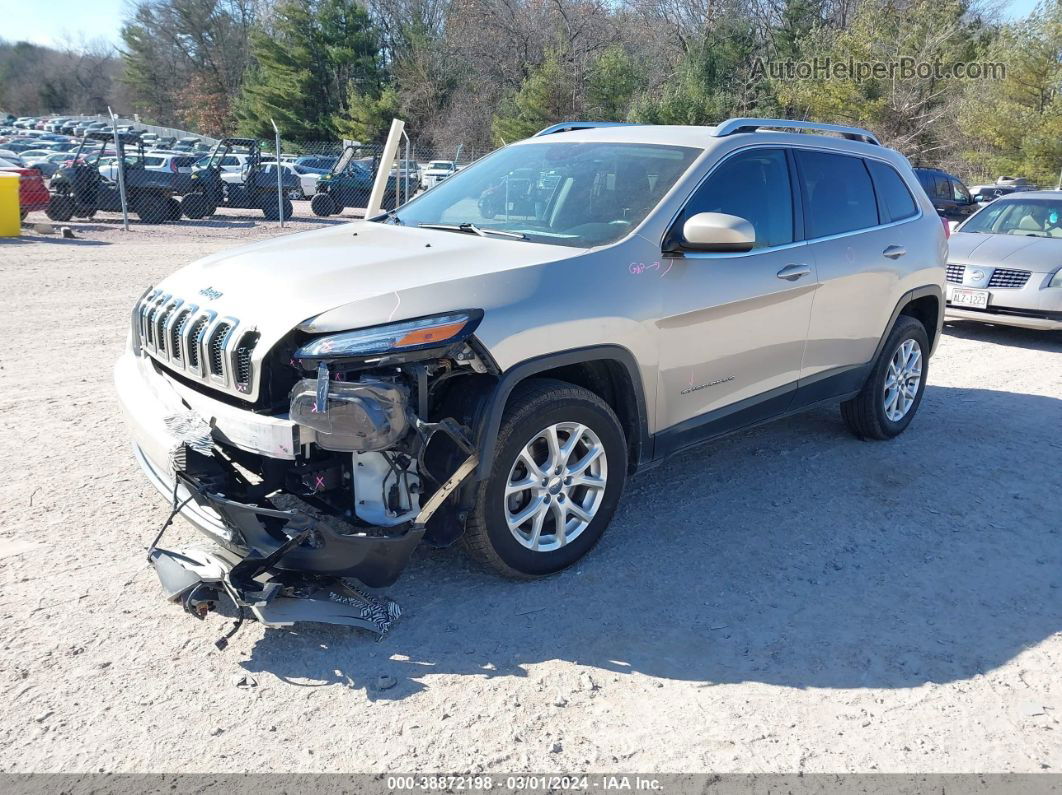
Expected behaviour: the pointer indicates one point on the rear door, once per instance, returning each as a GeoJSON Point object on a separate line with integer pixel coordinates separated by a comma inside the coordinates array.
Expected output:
{"type": "Point", "coordinates": [856, 235]}
{"type": "Point", "coordinates": [733, 325]}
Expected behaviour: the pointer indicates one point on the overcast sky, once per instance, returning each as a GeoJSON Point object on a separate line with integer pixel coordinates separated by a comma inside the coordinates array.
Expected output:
{"type": "Point", "coordinates": [57, 22]}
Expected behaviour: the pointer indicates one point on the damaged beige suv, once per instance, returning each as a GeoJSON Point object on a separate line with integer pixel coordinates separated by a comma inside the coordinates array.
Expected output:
{"type": "Point", "coordinates": [491, 361]}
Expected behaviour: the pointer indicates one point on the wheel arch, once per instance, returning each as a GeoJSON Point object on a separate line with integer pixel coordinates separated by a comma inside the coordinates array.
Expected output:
{"type": "Point", "coordinates": [609, 371]}
{"type": "Point", "coordinates": [925, 304]}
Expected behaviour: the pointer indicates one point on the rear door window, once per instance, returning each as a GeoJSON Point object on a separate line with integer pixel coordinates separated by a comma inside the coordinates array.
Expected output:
{"type": "Point", "coordinates": [838, 193]}
{"type": "Point", "coordinates": [896, 201]}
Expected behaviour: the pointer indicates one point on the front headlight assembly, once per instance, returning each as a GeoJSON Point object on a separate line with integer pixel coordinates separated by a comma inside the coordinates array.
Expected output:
{"type": "Point", "coordinates": [1056, 280]}
{"type": "Point", "coordinates": [409, 335]}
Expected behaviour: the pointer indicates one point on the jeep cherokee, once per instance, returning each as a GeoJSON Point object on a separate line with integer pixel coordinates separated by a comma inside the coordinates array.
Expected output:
{"type": "Point", "coordinates": [492, 360]}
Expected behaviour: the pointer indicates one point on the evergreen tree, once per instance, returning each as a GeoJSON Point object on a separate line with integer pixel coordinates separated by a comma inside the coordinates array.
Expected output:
{"type": "Point", "coordinates": [611, 84]}
{"type": "Point", "coordinates": [544, 98]}
{"type": "Point", "coordinates": [317, 55]}
{"type": "Point", "coordinates": [1014, 125]}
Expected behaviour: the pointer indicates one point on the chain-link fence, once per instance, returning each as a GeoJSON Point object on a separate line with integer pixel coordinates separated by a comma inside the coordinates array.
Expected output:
{"type": "Point", "coordinates": [158, 175]}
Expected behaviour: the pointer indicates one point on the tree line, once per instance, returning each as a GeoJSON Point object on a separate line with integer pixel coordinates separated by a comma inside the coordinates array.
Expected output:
{"type": "Point", "coordinates": [486, 72]}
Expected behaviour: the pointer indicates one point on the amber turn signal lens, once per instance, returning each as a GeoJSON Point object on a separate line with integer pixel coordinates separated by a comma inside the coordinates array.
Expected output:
{"type": "Point", "coordinates": [426, 336]}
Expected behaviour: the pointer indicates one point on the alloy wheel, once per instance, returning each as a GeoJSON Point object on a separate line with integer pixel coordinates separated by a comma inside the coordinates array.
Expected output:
{"type": "Point", "coordinates": [555, 486]}
{"type": "Point", "coordinates": [902, 380]}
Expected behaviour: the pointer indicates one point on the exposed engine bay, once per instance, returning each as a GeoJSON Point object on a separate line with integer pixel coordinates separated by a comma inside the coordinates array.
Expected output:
{"type": "Point", "coordinates": [381, 446]}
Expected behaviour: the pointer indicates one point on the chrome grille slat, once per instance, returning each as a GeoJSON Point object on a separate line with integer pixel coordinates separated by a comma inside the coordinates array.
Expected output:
{"type": "Point", "coordinates": [162, 329]}
{"type": "Point", "coordinates": [180, 320]}
{"type": "Point", "coordinates": [216, 349]}
{"type": "Point", "coordinates": [1008, 278]}
{"type": "Point", "coordinates": [196, 342]}
{"type": "Point", "coordinates": [955, 273]}
{"type": "Point", "coordinates": [241, 361]}
{"type": "Point", "coordinates": [151, 339]}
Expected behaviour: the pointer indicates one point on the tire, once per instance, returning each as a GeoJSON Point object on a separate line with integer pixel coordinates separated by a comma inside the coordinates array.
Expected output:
{"type": "Point", "coordinates": [880, 412]}
{"type": "Point", "coordinates": [196, 206]}
{"type": "Point", "coordinates": [193, 206]}
{"type": "Point", "coordinates": [85, 212]}
{"type": "Point", "coordinates": [174, 207]}
{"type": "Point", "coordinates": [152, 208]}
{"type": "Point", "coordinates": [60, 207]}
{"type": "Point", "coordinates": [323, 205]}
{"type": "Point", "coordinates": [535, 406]}
{"type": "Point", "coordinates": [269, 209]}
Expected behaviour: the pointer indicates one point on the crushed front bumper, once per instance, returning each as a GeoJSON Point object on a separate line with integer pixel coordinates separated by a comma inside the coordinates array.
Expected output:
{"type": "Point", "coordinates": [266, 554]}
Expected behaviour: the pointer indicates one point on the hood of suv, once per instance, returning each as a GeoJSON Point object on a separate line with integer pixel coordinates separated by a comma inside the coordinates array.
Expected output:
{"type": "Point", "coordinates": [278, 284]}
{"type": "Point", "coordinates": [1037, 254]}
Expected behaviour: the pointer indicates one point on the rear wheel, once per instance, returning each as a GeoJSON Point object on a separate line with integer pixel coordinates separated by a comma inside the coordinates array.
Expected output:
{"type": "Point", "coordinates": [893, 391]}
{"type": "Point", "coordinates": [152, 208]}
{"type": "Point", "coordinates": [323, 205]}
{"type": "Point", "coordinates": [559, 469]}
{"type": "Point", "coordinates": [174, 207]}
{"type": "Point", "coordinates": [60, 207]}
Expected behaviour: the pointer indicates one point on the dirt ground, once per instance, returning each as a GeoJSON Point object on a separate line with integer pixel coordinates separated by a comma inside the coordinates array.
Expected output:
{"type": "Point", "coordinates": [788, 599]}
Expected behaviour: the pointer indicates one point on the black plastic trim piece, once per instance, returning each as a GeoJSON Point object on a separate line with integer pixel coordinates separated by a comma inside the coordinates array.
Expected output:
{"type": "Point", "coordinates": [726, 420]}
{"type": "Point", "coordinates": [933, 290]}
{"type": "Point", "coordinates": [490, 415]}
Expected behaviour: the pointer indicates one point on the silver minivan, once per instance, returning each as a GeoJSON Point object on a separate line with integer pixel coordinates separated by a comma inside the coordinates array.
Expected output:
{"type": "Point", "coordinates": [492, 360]}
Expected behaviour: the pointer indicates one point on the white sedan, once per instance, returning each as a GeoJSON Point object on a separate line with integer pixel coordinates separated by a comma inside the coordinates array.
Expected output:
{"type": "Point", "coordinates": [308, 178]}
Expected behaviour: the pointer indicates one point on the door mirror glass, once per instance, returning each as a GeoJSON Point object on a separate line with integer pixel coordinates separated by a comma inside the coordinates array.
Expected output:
{"type": "Point", "coordinates": [718, 232]}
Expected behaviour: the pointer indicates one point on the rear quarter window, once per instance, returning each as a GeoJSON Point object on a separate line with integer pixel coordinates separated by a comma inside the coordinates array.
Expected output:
{"type": "Point", "coordinates": [838, 193]}
{"type": "Point", "coordinates": [895, 199]}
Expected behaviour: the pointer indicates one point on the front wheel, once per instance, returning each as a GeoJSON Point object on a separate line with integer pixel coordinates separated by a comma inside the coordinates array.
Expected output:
{"type": "Point", "coordinates": [60, 207]}
{"type": "Point", "coordinates": [559, 469]}
{"type": "Point", "coordinates": [174, 207]}
{"type": "Point", "coordinates": [323, 205]}
{"type": "Point", "coordinates": [893, 391]}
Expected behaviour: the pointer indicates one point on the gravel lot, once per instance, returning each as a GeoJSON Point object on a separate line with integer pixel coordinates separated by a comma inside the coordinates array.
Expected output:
{"type": "Point", "coordinates": [788, 599]}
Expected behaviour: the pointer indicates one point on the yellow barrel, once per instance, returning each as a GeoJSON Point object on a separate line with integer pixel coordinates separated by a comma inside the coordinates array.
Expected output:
{"type": "Point", "coordinates": [10, 222]}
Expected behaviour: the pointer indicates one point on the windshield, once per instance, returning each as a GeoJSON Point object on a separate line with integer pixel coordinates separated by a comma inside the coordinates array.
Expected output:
{"type": "Point", "coordinates": [571, 194]}
{"type": "Point", "coordinates": [344, 161]}
{"type": "Point", "coordinates": [1033, 217]}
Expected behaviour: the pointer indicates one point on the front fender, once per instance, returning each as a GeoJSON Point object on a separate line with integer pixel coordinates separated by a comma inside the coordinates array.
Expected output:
{"type": "Point", "coordinates": [488, 421]}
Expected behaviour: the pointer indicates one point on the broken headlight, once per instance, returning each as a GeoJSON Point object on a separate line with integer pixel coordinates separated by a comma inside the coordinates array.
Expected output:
{"type": "Point", "coordinates": [363, 416]}
{"type": "Point", "coordinates": [409, 335]}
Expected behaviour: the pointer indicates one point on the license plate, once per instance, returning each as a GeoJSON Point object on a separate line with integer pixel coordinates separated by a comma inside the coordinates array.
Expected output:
{"type": "Point", "coordinates": [976, 299]}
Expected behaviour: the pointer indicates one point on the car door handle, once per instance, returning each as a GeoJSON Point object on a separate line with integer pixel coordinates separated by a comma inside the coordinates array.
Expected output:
{"type": "Point", "coordinates": [793, 272]}
{"type": "Point", "coordinates": [894, 252]}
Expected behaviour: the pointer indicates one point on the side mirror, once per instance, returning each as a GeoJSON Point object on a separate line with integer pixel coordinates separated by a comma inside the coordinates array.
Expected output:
{"type": "Point", "coordinates": [717, 232]}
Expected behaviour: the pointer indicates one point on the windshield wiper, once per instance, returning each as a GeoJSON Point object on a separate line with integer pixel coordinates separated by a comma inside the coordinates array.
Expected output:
{"type": "Point", "coordinates": [472, 228]}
